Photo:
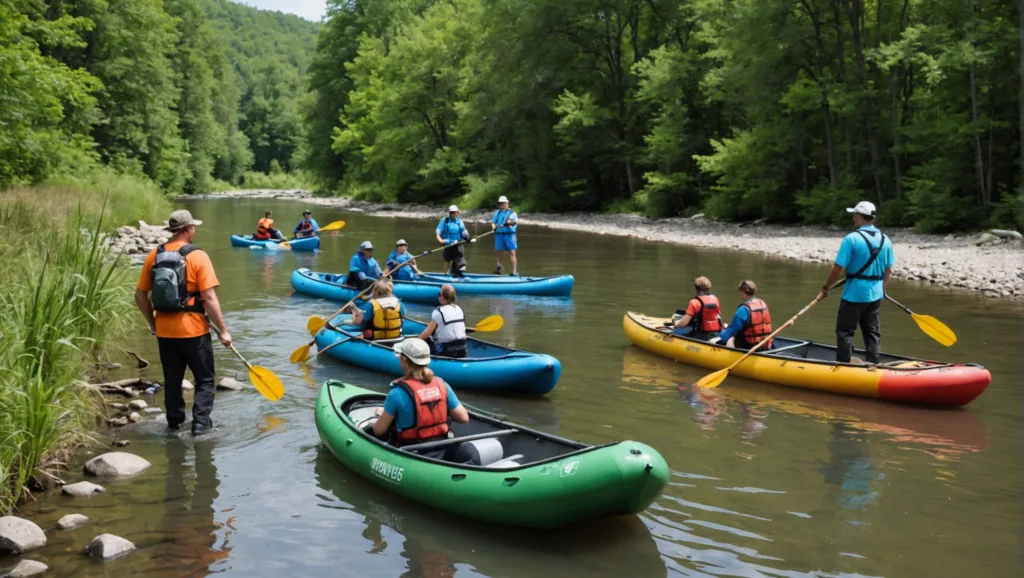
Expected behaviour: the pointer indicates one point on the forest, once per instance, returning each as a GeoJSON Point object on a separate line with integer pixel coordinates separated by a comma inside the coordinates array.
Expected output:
{"type": "Point", "coordinates": [740, 109]}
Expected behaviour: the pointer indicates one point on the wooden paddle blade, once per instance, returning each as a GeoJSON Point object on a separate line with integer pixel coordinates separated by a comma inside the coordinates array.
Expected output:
{"type": "Point", "coordinates": [492, 323]}
{"type": "Point", "coordinates": [300, 355]}
{"type": "Point", "coordinates": [935, 329]}
{"type": "Point", "coordinates": [266, 382]}
{"type": "Point", "coordinates": [713, 379]}
{"type": "Point", "coordinates": [333, 226]}
{"type": "Point", "coordinates": [315, 324]}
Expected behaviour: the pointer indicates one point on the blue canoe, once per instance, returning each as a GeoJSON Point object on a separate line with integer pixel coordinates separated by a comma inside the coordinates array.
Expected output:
{"type": "Point", "coordinates": [425, 289]}
{"type": "Point", "coordinates": [487, 367]}
{"type": "Point", "coordinates": [307, 244]}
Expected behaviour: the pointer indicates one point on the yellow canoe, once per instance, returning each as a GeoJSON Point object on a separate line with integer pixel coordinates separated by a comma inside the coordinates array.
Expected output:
{"type": "Point", "coordinates": [812, 365]}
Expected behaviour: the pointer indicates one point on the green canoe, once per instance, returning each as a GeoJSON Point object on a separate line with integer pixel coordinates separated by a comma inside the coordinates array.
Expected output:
{"type": "Point", "coordinates": [527, 478]}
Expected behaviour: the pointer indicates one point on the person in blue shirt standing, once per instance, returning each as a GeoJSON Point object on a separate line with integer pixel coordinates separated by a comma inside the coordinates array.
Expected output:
{"type": "Point", "coordinates": [363, 270]}
{"type": "Point", "coordinates": [307, 227]}
{"type": "Point", "coordinates": [451, 230]}
{"type": "Point", "coordinates": [751, 324]}
{"type": "Point", "coordinates": [866, 256]}
{"type": "Point", "coordinates": [504, 223]}
{"type": "Point", "coordinates": [397, 257]}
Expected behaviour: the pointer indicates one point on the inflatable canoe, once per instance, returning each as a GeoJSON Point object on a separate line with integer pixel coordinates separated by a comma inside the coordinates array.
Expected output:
{"type": "Point", "coordinates": [812, 365]}
{"type": "Point", "coordinates": [307, 244]}
{"type": "Point", "coordinates": [492, 470]}
{"type": "Point", "coordinates": [425, 290]}
{"type": "Point", "coordinates": [487, 366]}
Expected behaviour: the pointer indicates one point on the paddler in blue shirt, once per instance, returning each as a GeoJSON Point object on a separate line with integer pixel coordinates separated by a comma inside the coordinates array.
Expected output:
{"type": "Point", "coordinates": [307, 227]}
{"type": "Point", "coordinates": [397, 257]}
{"type": "Point", "coordinates": [751, 324]}
{"type": "Point", "coordinates": [451, 230]}
{"type": "Point", "coordinates": [868, 254]}
{"type": "Point", "coordinates": [363, 270]}
{"type": "Point", "coordinates": [504, 224]}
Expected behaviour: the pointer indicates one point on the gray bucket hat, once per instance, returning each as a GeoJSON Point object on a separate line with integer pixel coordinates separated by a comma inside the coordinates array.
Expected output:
{"type": "Point", "coordinates": [180, 219]}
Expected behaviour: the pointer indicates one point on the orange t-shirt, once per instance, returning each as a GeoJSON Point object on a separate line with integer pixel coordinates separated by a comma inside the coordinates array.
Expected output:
{"type": "Point", "coordinates": [199, 276]}
{"type": "Point", "coordinates": [266, 223]}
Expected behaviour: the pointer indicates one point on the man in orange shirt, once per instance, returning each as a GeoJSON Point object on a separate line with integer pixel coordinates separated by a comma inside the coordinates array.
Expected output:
{"type": "Point", "coordinates": [177, 282]}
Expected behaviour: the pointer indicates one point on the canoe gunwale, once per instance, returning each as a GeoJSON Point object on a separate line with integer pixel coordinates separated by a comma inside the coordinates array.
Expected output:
{"type": "Point", "coordinates": [344, 419]}
{"type": "Point", "coordinates": [932, 365]}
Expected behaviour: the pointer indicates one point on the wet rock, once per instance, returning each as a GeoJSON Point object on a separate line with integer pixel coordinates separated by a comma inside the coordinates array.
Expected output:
{"type": "Point", "coordinates": [117, 422]}
{"type": "Point", "coordinates": [230, 384]}
{"type": "Point", "coordinates": [72, 521]}
{"type": "Point", "coordinates": [108, 547]}
{"type": "Point", "coordinates": [26, 568]}
{"type": "Point", "coordinates": [153, 410]}
{"type": "Point", "coordinates": [117, 406]}
{"type": "Point", "coordinates": [137, 404]}
{"type": "Point", "coordinates": [82, 489]}
{"type": "Point", "coordinates": [134, 417]}
{"type": "Point", "coordinates": [18, 535]}
{"type": "Point", "coordinates": [121, 443]}
{"type": "Point", "coordinates": [116, 465]}
{"type": "Point", "coordinates": [186, 385]}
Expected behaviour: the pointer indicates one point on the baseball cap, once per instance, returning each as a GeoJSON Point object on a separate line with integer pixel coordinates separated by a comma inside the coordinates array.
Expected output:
{"type": "Point", "coordinates": [307, 212]}
{"type": "Point", "coordinates": [452, 209]}
{"type": "Point", "coordinates": [366, 245]}
{"type": "Point", "coordinates": [415, 349]}
{"type": "Point", "coordinates": [180, 219]}
{"type": "Point", "coordinates": [863, 208]}
{"type": "Point", "coordinates": [503, 199]}
{"type": "Point", "coordinates": [401, 242]}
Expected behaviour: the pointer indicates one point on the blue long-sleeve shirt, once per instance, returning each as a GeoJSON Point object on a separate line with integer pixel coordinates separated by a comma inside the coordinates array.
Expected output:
{"type": "Point", "coordinates": [394, 260]}
{"type": "Point", "coordinates": [740, 320]}
{"type": "Point", "coordinates": [365, 268]}
{"type": "Point", "coordinates": [299, 226]}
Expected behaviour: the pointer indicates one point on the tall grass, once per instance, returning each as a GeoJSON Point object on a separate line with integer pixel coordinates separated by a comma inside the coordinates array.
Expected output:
{"type": "Point", "coordinates": [62, 296]}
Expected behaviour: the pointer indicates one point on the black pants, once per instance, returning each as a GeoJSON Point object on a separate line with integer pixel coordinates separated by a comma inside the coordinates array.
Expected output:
{"type": "Point", "coordinates": [454, 254]}
{"type": "Point", "coordinates": [195, 353]}
{"type": "Point", "coordinates": [353, 280]}
{"type": "Point", "coordinates": [456, 349]}
{"type": "Point", "coordinates": [850, 316]}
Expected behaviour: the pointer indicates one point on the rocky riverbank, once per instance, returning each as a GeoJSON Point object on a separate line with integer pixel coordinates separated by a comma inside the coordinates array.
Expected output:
{"type": "Point", "coordinates": [986, 264]}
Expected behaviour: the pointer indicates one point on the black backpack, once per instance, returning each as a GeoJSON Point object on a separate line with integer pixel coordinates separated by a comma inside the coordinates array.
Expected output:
{"type": "Point", "coordinates": [170, 292]}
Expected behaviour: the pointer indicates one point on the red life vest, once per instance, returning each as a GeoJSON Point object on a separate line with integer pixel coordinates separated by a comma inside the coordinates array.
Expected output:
{"type": "Point", "coordinates": [430, 407]}
{"type": "Point", "coordinates": [707, 318]}
{"type": "Point", "coordinates": [760, 325]}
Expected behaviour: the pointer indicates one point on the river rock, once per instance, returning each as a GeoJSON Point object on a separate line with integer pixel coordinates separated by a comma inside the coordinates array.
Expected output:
{"type": "Point", "coordinates": [117, 406]}
{"type": "Point", "coordinates": [134, 417]}
{"type": "Point", "coordinates": [80, 489]}
{"type": "Point", "coordinates": [230, 384]}
{"type": "Point", "coordinates": [116, 465]}
{"type": "Point", "coordinates": [117, 422]}
{"type": "Point", "coordinates": [18, 535]}
{"type": "Point", "coordinates": [72, 521]}
{"type": "Point", "coordinates": [121, 443]}
{"type": "Point", "coordinates": [153, 410]}
{"type": "Point", "coordinates": [186, 385]}
{"type": "Point", "coordinates": [137, 404]}
{"type": "Point", "coordinates": [108, 547]}
{"type": "Point", "coordinates": [26, 568]}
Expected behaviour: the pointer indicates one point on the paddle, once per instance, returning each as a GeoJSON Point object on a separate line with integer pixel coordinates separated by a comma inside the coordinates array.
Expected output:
{"type": "Point", "coordinates": [491, 323]}
{"type": "Point", "coordinates": [331, 227]}
{"type": "Point", "coordinates": [715, 379]}
{"type": "Point", "coordinates": [262, 378]}
{"type": "Point", "coordinates": [931, 326]}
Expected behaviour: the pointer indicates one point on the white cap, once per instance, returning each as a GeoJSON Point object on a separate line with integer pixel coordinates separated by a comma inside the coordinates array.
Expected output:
{"type": "Point", "coordinates": [863, 208]}
{"type": "Point", "coordinates": [503, 199]}
{"type": "Point", "coordinates": [452, 209]}
{"type": "Point", "coordinates": [415, 349]}
{"type": "Point", "coordinates": [401, 242]}
{"type": "Point", "coordinates": [365, 245]}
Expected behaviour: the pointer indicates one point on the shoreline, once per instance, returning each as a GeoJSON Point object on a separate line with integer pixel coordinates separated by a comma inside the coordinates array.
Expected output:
{"type": "Point", "coordinates": [951, 261]}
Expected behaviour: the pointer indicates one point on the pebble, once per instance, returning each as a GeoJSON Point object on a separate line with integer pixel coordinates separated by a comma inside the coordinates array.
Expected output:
{"type": "Point", "coordinates": [121, 443]}
{"type": "Point", "coordinates": [153, 410]}
{"type": "Point", "coordinates": [116, 465]}
{"type": "Point", "coordinates": [72, 521]}
{"type": "Point", "coordinates": [81, 489]}
{"type": "Point", "coordinates": [18, 535]}
{"type": "Point", "coordinates": [108, 547]}
{"type": "Point", "coordinates": [117, 406]}
{"type": "Point", "coordinates": [230, 384]}
{"type": "Point", "coordinates": [186, 385]}
{"type": "Point", "coordinates": [137, 404]}
{"type": "Point", "coordinates": [118, 421]}
{"type": "Point", "coordinates": [134, 417]}
{"type": "Point", "coordinates": [27, 568]}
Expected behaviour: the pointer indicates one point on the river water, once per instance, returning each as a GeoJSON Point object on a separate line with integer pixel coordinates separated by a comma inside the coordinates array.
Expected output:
{"type": "Point", "coordinates": [766, 481]}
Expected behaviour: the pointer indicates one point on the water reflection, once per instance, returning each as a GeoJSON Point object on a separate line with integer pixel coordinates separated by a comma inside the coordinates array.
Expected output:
{"type": "Point", "coordinates": [849, 471]}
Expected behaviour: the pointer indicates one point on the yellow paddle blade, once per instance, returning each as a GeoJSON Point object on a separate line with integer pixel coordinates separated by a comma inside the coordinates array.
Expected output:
{"type": "Point", "coordinates": [300, 355]}
{"type": "Point", "coordinates": [266, 382]}
{"type": "Point", "coordinates": [492, 323]}
{"type": "Point", "coordinates": [315, 324]}
{"type": "Point", "coordinates": [935, 329]}
{"type": "Point", "coordinates": [333, 226]}
{"type": "Point", "coordinates": [713, 379]}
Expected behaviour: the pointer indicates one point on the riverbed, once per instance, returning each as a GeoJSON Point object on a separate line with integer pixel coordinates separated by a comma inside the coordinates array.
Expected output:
{"type": "Point", "coordinates": [766, 481]}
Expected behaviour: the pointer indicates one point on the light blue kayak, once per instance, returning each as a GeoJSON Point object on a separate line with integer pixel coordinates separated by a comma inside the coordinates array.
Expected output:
{"type": "Point", "coordinates": [426, 288]}
{"type": "Point", "coordinates": [487, 367]}
{"type": "Point", "coordinates": [307, 244]}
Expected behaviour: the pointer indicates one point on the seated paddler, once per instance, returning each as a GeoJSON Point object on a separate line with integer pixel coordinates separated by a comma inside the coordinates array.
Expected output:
{"type": "Point", "coordinates": [381, 316]}
{"type": "Point", "coordinates": [397, 258]}
{"type": "Point", "coordinates": [420, 405]}
{"type": "Point", "coordinates": [363, 269]}
{"type": "Point", "coordinates": [751, 324]}
{"type": "Point", "coordinates": [446, 331]}
{"type": "Point", "coordinates": [702, 318]}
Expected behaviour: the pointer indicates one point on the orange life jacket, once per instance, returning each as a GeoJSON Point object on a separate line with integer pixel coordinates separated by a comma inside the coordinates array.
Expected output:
{"type": "Point", "coordinates": [430, 406]}
{"type": "Point", "coordinates": [760, 325]}
{"type": "Point", "coordinates": [707, 319]}
{"type": "Point", "coordinates": [263, 229]}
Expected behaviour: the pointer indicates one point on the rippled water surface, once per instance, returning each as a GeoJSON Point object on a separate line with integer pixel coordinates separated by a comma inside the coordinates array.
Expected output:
{"type": "Point", "coordinates": [766, 481]}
